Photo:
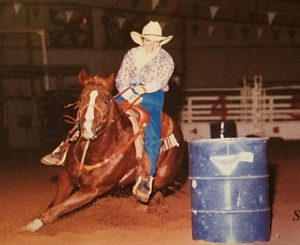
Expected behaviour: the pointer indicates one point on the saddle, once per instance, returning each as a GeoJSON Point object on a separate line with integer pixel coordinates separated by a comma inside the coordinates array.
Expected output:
{"type": "Point", "coordinates": [143, 118]}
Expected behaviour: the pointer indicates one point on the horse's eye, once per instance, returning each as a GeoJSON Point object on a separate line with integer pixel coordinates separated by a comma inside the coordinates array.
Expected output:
{"type": "Point", "coordinates": [106, 100]}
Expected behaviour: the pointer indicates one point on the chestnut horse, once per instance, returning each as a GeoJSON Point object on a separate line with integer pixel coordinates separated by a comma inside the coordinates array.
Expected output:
{"type": "Point", "coordinates": [104, 156]}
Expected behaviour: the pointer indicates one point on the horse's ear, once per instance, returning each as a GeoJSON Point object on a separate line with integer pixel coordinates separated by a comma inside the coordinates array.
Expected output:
{"type": "Point", "coordinates": [83, 77]}
{"type": "Point", "coordinates": [110, 82]}
{"type": "Point", "coordinates": [111, 77]}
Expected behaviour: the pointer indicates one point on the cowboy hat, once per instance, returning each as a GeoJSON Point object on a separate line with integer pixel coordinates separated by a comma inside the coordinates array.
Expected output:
{"type": "Point", "coordinates": [151, 31]}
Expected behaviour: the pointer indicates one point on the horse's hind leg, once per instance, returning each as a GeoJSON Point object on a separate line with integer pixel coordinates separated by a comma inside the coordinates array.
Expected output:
{"type": "Point", "coordinates": [64, 188]}
{"type": "Point", "coordinates": [170, 161]}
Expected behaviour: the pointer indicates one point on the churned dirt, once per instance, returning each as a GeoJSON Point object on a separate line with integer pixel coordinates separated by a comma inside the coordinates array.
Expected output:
{"type": "Point", "coordinates": [27, 187]}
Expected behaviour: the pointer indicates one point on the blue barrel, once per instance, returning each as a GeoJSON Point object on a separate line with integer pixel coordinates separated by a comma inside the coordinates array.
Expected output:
{"type": "Point", "coordinates": [229, 190]}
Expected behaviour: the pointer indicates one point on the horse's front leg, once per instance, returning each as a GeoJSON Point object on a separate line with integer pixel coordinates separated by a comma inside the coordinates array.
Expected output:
{"type": "Point", "coordinates": [77, 200]}
{"type": "Point", "coordinates": [64, 188]}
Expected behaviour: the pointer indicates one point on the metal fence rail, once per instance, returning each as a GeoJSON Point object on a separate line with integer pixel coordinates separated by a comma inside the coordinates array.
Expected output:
{"type": "Point", "coordinates": [211, 108]}
{"type": "Point", "coordinates": [256, 110]}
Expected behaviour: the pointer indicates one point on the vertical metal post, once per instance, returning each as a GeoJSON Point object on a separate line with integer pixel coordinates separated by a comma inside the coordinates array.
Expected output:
{"type": "Point", "coordinates": [183, 49]}
{"type": "Point", "coordinates": [42, 33]}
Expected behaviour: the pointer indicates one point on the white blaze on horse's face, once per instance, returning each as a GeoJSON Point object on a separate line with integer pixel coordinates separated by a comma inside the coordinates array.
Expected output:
{"type": "Point", "coordinates": [87, 131]}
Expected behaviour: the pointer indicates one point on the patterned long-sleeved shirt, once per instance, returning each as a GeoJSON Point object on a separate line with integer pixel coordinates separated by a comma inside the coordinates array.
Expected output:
{"type": "Point", "coordinates": [154, 71]}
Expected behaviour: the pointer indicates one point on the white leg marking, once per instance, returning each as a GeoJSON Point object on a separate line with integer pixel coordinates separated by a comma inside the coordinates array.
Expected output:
{"type": "Point", "coordinates": [33, 225]}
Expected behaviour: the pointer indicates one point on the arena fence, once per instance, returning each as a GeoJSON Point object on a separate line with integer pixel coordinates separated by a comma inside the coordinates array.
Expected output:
{"type": "Point", "coordinates": [256, 111]}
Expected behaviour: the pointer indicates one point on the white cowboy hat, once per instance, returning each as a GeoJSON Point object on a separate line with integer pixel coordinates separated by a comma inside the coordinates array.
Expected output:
{"type": "Point", "coordinates": [151, 31]}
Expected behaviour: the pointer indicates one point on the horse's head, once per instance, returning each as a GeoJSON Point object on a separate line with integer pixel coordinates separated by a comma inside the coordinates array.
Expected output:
{"type": "Point", "coordinates": [94, 104]}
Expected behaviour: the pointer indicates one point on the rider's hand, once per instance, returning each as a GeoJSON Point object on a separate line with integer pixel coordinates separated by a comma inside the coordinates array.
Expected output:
{"type": "Point", "coordinates": [139, 89]}
{"type": "Point", "coordinates": [135, 99]}
{"type": "Point", "coordinates": [131, 97]}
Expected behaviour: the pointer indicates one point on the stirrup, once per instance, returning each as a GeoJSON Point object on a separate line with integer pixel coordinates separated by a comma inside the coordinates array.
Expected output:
{"type": "Point", "coordinates": [143, 188]}
{"type": "Point", "coordinates": [57, 157]}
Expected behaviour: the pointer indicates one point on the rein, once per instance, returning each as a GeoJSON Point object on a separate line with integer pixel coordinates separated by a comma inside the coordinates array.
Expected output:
{"type": "Point", "coordinates": [119, 116]}
{"type": "Point", "coordinates": [86, 146]}
{"type": "Point", "coordinates": [122, 150]}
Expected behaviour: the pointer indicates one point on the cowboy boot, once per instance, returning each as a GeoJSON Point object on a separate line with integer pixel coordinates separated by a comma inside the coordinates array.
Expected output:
{"type": "Point", "coordinates": [58, 156]}
{"type": "Point", "coordinates": [143, 188]}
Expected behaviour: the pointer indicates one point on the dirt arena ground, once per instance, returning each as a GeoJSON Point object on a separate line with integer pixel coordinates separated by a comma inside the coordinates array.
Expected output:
{"type": "Point", "coordinates": [27, 187]}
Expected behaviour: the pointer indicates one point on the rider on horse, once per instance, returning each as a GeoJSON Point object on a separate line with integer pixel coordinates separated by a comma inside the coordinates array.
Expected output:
{"type": "Point", "coordinates": [143, 75]}
{"type": "Point", "coordinates": [147, 70]}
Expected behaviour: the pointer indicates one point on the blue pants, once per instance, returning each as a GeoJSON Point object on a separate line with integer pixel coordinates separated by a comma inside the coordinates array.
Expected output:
{"type": "Point", "coordinates": [153, 103]}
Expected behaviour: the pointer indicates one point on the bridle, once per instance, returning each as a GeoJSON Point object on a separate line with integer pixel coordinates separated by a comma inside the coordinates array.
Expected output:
{"type": "Point", "coordinates": [98, 128]}
{"type": "Point", "coordinates": [99, 132]}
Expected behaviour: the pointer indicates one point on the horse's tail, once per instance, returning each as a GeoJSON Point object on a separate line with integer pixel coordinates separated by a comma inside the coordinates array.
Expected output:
{"type": "Point", "coordinates": [179, 180]}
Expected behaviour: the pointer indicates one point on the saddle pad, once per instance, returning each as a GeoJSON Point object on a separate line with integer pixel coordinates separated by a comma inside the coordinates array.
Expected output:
{"type": "Point", "coordinates": [139, 117]}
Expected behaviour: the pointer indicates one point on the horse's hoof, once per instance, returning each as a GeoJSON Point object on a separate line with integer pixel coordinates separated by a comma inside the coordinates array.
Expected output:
{"type": "Point", "coordinates": [158, 200]}
{"type": "Point", "coordinates": [33, 226]}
